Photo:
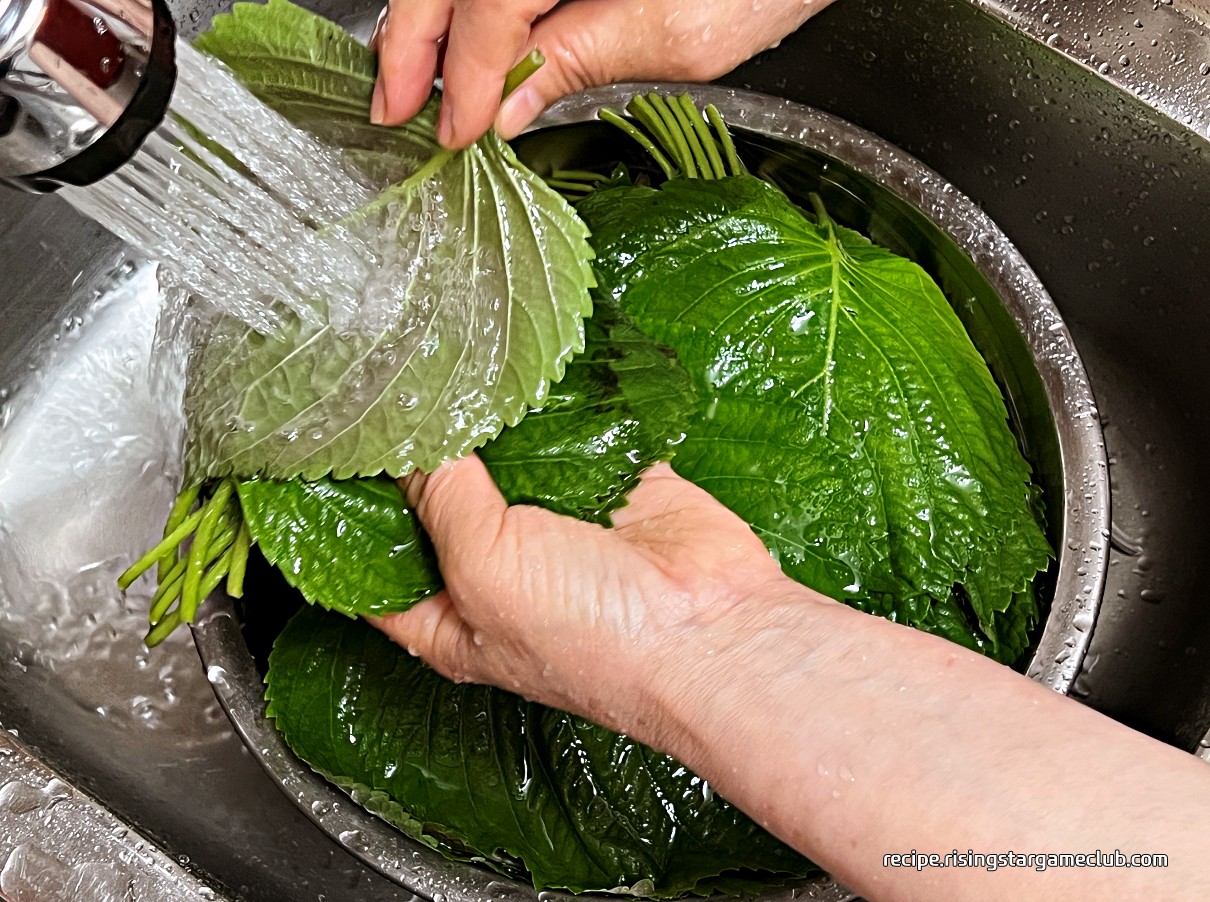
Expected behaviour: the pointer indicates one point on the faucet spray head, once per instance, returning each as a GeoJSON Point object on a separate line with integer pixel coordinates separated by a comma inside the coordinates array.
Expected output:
{"type": "Point", "coordinates": [82, 83]}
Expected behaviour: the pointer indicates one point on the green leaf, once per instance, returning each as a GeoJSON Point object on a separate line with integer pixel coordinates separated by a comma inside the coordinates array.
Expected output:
{"type": "Point", "coordinates": [848, 418]}
{"type": "Point", "coordinates": [624, 405]}
{"type": "Point", "coordinates": [350, 545]}
{"type": "Point", "coordinates": [311, 71]}
{"type": "Point", "coordinates": [842, 412]}
{"type": "Point", "coordinates": [492, 286]}
{"type": "Point", "coordinates": [583, 808]}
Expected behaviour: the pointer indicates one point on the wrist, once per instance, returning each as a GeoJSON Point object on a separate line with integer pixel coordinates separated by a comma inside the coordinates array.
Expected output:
{"type": "Point", "coordinates": [726, 675]}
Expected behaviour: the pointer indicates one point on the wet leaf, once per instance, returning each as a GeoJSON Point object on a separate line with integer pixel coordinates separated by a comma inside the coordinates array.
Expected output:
{"type": "Point", "coordinates": [351, 546]}
{"type": "Point", "coordinates": [484, 770]}
{"type": "Point", "coordinates": [847, 415]}
{"type": "Point", "coordinates": [489, 286]}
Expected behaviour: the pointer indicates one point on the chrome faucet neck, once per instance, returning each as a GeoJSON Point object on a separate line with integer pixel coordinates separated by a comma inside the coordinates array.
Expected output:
{"type": "Point", "coordinates": [82, 83]}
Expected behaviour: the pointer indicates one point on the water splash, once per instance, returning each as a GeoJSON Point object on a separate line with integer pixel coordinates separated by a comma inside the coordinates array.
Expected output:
{"type": "Point", "coordinates": [89, 459]}
{"type": "Point", "coordinates": [245, 209]}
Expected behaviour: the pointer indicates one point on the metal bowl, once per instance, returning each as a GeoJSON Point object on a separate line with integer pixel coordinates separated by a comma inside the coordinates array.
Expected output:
{"type": "Point", "coordinates": [876, 188]}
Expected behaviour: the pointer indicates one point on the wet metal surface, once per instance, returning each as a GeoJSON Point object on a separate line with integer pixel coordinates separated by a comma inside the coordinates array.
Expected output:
{"type": "Point", "coordinates": [59, 845]}
{"type": "Point", "coordinates": [1155, 50]}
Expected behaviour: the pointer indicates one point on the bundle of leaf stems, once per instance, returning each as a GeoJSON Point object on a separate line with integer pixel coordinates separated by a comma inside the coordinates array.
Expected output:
{"type": "Point", "coordinates": [680, 140]}
{"type": "Point", "coordinates": [186, 575]}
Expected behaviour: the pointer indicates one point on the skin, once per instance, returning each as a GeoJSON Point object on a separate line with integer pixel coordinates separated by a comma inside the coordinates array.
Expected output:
{"type": "Point", "coordinates": [846, 735]}
{"type": "Point", "coordinates": [473, 43]}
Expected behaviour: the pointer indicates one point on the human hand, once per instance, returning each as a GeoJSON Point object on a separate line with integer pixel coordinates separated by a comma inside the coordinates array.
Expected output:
{"type": "Point", "coordinates": [573, 614]}
{"type": "Point", "coordinates": [586, 43]}
{"type": "Point", "coordinates": [676, 627]}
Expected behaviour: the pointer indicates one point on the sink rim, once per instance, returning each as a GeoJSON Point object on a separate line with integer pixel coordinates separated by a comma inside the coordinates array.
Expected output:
{"type": "Point", "coordinates": [1085, 523]}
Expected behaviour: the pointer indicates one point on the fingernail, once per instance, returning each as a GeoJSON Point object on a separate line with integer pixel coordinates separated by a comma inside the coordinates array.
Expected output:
{"type": "Point", "coordinates": [413, 486]}
{"type": "Point", "coordinates": [382, 20]}
{"type": "Point", "coordinates": [522, 107]}
{"type": "Point", "coordinates": [378, 106]}
{"type": "Point", "coordinates": [445, 122]}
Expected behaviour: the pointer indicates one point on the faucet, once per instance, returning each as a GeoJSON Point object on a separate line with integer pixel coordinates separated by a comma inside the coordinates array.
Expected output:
{"type": "Point", "coordinates": [82, 84]}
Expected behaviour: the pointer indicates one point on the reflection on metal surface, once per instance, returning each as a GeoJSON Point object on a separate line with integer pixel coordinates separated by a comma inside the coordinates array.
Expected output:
{"type": "Point", "coordinates": [1157, 51]}
{"type": "Point", "coordinates": [87, 465]}
{"type": "Point", "coordinates": [1002, 303]}
{"type": "Point", "coordinates": [80, 87]}
{"type": "Point", "coordinates": [58, 845]}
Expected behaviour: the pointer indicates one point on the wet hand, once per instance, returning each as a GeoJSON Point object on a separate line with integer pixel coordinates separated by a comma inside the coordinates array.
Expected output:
{"type": "Point", "coordinates": [573, 614]}
{"type": "Point", "coordinates": [473, 43]}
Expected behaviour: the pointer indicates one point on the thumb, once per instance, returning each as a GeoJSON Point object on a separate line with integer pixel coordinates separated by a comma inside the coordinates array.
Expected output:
{"type": "Point", "coordinates": [586, 43]}
{"type": "Point", "coordinates": [460, 508]}
{"type": "Point", "coordinates": [599, 42]}
{"type": "Point", "coordinates": [434, 631]}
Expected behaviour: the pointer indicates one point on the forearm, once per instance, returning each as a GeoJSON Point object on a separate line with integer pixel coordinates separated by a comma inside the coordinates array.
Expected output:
{"type": "Point", "coordinates": [851, 737]}
{"type": "Point", "coordinates": [848, 736]}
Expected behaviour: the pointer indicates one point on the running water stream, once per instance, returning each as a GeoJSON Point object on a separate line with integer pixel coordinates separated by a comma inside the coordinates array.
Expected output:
{"type": "Point", "coordinates": [90, 439]}
{"type": "Point", "coordinates": [247, 212]}
{"type": "Point", "coordinates": [244, 212]}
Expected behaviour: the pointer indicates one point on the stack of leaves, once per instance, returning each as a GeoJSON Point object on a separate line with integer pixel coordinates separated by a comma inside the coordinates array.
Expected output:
{"type": "Point", "coordinates": [818, 385]}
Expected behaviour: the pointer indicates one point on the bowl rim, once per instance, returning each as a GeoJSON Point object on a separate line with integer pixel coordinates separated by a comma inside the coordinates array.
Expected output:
{"type": "Point", "coordinates": [1085, 525]}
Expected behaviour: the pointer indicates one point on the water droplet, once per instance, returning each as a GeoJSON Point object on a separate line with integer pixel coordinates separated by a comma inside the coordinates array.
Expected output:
{"type": "Point", "coordinates": [354, 840]}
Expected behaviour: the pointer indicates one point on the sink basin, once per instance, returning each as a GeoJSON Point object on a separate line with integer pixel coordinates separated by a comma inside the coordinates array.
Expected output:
{"type": "Point", "coordinates": [1041, 123]}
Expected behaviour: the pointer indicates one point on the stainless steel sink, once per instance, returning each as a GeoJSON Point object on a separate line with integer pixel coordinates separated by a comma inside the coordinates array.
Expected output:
{"type": "Point", "coordinates": [1083, 134]}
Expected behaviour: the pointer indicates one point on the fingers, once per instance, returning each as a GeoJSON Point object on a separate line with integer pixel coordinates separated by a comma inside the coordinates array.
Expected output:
{"type": "Point", "coordinates": [586, 43]}
{"type": "Point", "coordinates": [486, 39]}
{"type": "Point", "coordinates": [433, 631]}
{"type": "Point", "coordinates": [462, 511]}
{"type": "Point", "coordinates": [459, 506]}
{"type": "Point", "coordinates": [407, 42]}
{"type": "Point", "coordinates": [598, 42]}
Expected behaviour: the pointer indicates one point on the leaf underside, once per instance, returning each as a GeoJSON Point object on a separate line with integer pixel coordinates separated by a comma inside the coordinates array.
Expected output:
{"type": "Point", "coordinates": [623, 405]}
{"type": "Point", "coordinates": [492, 290]}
